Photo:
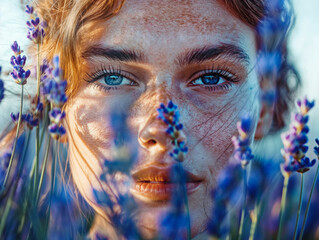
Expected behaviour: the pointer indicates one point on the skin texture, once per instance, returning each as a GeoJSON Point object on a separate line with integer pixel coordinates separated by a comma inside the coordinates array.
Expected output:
{"type": "Point", "coordinates": [162, 32]}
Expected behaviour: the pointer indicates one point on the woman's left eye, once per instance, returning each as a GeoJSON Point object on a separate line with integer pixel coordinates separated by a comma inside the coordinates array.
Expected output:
{"type": "Point", "coordinates": [215, 77]}
{"type": "Point", "coordinates": [211, 79]}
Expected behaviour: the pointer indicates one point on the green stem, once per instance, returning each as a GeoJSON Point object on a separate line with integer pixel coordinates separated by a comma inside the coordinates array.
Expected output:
{"type": "Point", "coordinates": [37, 136]}
{"type": "Point", "coordinates": [15, 142]}
{"type": "Point", "coordinates": [44, 127]}
{"type": "Point", "coordinates": [43, 170]}
{"type": "Point", "coordinates": [308, 204]}
{"type": "Point", "coordinates": [6, 212]}
{"type": "Point", "coordinates": [254, 222]}
{"type": "Point", "coordinates": [36, 170]}
{"type": "Point", "coordinates": [283, 205]}
{"type": "Point", "coordinates": [242, 217]}
{"type": "Point", "coordinates": [53, 171]}
{"type": "Point", "coordinates": [189, 234]}
{"type": "Point", "coordinates": [38, 70]}
{"type": "Point", "coordinates": [13, 190]}
{"type": "Point", "coordinates": [299, 207]}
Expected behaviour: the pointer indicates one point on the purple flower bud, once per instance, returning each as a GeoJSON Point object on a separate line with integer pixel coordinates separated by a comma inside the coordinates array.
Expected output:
{"type": "Point", "coordinates": [1, 90]}
{"type": "Point", "coordinates": [56, 115]}
{"type": "Point", "coordinates": [56, 131]}
{"type": "Point", "coordinates": [170, 116]}
{"type": "Point", "coordinates": [15, 117]}
{"type": "Point", "coordinates": [39, 107]}
{"type": "Point", "coordinates": [269, 63]}
{"type": "Point", "coordinates": [29, 9]}
{"type": "Point", "coordinates": [35, 31]}
{"type": "Point", "coordinates": [170, 105]}
{"type": "Point", "coordinates": [56, 62]}
{"type": "Point", "coordinates": [31, 121]}
{"type": "Point", "coordinates": [295, 140]}
{"type": "Point", "coordinates": [35, 22]}
{"type": "Point", "coordinates": [16, 48]}
{"type": "Point", "coordinates": [316, 148]}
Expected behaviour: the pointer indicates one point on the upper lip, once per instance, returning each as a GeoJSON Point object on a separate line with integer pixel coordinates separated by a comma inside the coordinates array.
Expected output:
{"type": "Point", "coordinates": [160, 175]}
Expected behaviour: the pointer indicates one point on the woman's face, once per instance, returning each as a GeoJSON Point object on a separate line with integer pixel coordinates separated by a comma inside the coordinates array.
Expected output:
{"type": "Point", "coordinates": [193, 52]}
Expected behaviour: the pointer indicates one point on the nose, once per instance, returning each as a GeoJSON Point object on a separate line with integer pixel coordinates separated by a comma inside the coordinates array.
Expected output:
{"type": "Point", "coordinates": [153, 134]}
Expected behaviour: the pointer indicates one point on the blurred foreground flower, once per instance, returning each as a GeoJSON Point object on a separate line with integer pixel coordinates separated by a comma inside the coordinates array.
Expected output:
{"type": "Point", "coordinates": [1, 87]}
{"type": "Point", "coordinates": [225, 194]}
{"type": "Point", "coordinates": [175, 224]}
{"type": "Point", "coordinates": [294, 154]}
{"type": "Point", "coordinates": [115, 197]}
{"type": "Point", "coordinates": [53, 89]}
{"type": "Point", "coordinates": [242, 152]}
{"type": "Point", "coordinates": [294, 141]}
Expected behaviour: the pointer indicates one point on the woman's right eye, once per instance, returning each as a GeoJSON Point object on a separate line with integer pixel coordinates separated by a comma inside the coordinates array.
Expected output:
{"type": "Point", "coordinates": [111, 79]}
{"type": "Point", "coordinates": [116, 80]}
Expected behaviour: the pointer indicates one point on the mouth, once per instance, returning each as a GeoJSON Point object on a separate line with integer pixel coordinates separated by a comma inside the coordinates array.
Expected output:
{"type": "Point", "coordinates": [155, 184]}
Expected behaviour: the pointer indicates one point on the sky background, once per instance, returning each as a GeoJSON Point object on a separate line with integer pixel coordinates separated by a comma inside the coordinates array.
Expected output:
{"type": "Point", "coordinates": [304, 48]}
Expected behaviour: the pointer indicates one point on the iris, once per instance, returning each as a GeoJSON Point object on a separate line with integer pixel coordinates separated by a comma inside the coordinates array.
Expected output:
{"type": "Point", "coordinates": [210, 79]}
{"type": "Point", "coordinates": [113, 79]}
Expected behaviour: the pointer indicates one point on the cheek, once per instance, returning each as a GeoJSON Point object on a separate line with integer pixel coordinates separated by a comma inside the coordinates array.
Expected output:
{"type": "Point", "coordinates": [209, 130]}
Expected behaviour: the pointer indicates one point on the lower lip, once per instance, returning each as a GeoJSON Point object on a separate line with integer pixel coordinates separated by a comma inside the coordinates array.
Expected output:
{"type": "Point", "coordinates": [159, 191]}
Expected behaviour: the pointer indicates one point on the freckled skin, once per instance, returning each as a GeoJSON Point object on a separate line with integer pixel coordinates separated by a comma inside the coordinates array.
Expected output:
{"type": "Point", "coordinates": [162, 31]}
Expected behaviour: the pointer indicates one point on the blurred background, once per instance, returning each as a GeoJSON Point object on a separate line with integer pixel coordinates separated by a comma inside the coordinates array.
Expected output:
{"type": "Point", "coordinates": [304, 48]}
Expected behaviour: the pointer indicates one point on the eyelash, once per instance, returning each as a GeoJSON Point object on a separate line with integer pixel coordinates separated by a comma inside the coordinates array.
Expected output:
{"type": "Point", "coordinates": [104, 71]}
{"type": "Point", "coordinates": [223, 72]}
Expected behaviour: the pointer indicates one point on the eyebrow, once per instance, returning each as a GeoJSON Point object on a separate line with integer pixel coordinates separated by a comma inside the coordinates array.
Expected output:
{"type": "Point", "coordinates": [205, 53]}
{"type": "Point", "coordinates": [124, 55]}
{"type": "Point", "coordinates": [193, 56]}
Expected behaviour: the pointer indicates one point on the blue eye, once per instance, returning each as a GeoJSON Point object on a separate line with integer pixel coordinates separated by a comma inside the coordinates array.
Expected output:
{"type": "Point", "coordinates": [209, 79]}
{"type": "Point", "coordinates": [213, 78]}
{"type": "Point", "coordinates": [113, 79]}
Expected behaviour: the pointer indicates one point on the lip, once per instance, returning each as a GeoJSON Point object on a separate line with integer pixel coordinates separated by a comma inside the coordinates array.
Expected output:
{"type": "Point", "coordinates": [154, 184]}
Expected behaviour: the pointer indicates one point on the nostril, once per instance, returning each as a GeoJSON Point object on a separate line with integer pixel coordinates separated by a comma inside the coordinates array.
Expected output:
{"type": "Point", "coordinates": [151, 142]}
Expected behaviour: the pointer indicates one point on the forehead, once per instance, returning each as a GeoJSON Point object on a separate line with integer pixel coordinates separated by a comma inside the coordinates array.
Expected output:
{"type": "Point", "coordinates": [150, 22]}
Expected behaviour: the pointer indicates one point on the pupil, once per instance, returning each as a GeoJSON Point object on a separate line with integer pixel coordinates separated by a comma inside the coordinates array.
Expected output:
{"type": "Point", "coordinates": [113, 79]}
{"type": "Point", "coordinates": [210, 79]}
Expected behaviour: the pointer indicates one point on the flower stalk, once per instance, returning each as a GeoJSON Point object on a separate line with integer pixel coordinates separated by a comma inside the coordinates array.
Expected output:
{"type": "Point", "coordinates": [316, 150]}
{"type": "Point", "coordinates": [283, 205]}
{"type": "Point", "coordinates": [299, 206]}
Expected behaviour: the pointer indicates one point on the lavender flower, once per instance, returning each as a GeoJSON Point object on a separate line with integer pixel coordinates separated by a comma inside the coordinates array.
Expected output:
{"type": "Point", "coordinates": [16, 48]}
{"type": "Point", "coordinates": [272, 40]}
{"type": "Point", "coordinates": [53, 89]}
{"type": "Point", "coordinates": [53, 86]}
{"type": "Point", "coordinates": [17, 61]}
{"type": "Point", "coordinates": [35, 27]}
{"type": "Point", "coordinates": [226, 192]}
{"type": "Point", "coordinates": [56, 130]}
{"type": "Point", "coordinates": [28, 118]}
{"type": "Point", "coordinates": [242, 152]}
{"type": "Point", "coordinates": [15, 117]}
{"type": "Point", "coordinates": [316, 148]}
{"type": "Point", "coordinates": [4, 163]}
{"type": "Point", "coordinates": [175, 224]}
{"type": "Point", "coordinates": [56, 115]}
{"type": "Point", "coordinates": [170, 116]}
{"type": "Point", "coordinates": [1, 87]}
{"type": "Point", "coordinates": [119, 207]}
{"type": "Point", "coordinates": [294, 141]}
